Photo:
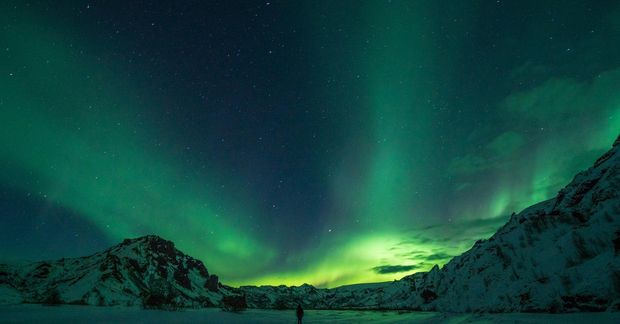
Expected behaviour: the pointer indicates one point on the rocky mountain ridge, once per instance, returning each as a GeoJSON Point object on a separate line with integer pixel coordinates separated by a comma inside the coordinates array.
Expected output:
{"type": "Point", "coordinates": [147, 271]}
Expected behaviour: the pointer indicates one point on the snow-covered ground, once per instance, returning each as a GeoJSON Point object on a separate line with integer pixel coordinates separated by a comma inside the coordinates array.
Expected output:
{"type": "Point", "coordinates": [93, 314]}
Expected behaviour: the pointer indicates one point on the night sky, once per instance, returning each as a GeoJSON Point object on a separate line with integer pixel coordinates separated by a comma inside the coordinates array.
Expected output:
{"type": "Point", "coordinates": [283, 142]}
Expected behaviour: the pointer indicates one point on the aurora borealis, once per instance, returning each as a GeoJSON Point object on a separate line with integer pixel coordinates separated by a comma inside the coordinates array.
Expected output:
{"type": "Point", "coordinates": [285, 142]}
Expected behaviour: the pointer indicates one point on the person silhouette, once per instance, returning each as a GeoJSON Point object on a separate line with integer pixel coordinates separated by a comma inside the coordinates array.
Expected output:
{"type": "Point", "coordinates": [300, 313]}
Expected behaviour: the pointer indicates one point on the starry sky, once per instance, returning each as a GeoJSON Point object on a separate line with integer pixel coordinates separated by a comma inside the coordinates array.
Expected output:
{"type": "Point", "coordinates": [290, 142]}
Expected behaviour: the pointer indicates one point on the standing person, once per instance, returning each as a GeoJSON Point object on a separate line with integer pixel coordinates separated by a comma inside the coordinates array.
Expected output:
{"type": "Point", "coordinates": [300, 313]}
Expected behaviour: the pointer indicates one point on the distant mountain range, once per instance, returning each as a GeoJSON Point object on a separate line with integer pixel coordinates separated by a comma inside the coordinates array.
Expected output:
{"type": "Point", "coordinates": [560, 255]}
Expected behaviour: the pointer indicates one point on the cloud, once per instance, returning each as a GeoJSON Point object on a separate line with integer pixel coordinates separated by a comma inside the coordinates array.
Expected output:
{"type": "Point", "coordinates": [570, 121]}
{"type": "Point", "coordinates": [454, 233]}
{"type": "Point", "coordinates": [468, 164]}
{"type": "Point", "coordinates": [438, 256]}
{"type": "Point", "coordinates": [506, 144]}
{"type": "Point", "coordinates": [557, 98]}
{"type": "Point", "coordinates": [496, 154]}
{"type": "Point", "coordinates": [556, 115]}
{"type": "Point", "coordinates": [437, 244]}
{"type": "Point", "coordinates": [566, 102]}
{"type": "Point", "coordinates": [386, 269]}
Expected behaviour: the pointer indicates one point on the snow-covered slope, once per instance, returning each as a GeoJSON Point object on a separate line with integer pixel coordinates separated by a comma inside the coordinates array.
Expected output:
{"type": "Point", "coordinates": [146, 271]}
{"type": "Point", "coordinates": [558, 255]}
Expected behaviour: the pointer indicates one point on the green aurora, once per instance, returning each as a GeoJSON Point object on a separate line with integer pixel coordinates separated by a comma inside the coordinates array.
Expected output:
{"type": "Point", "coordinates": [423, 164]}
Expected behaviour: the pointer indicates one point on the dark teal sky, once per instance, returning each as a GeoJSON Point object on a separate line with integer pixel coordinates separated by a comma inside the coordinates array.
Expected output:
{"type": "Point", "coordinates": [288, 142]}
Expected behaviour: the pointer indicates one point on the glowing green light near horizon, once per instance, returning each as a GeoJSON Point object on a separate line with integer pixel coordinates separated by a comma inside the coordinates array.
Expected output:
{"type": "Point", "coordinates": [354, 262]}
{"type": "Point", "coordinates": [400, 116]}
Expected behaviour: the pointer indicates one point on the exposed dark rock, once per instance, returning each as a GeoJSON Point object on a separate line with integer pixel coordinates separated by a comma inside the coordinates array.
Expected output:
{"type": "Point", "coordinates": [52, 298]}
{"type": "Point", "coordinates": [198, 265]}
{"type": "Point", "coordinates": [616, 242]}
{"type": "Point", "coordinates": [428, 295]}
{"type": "Point", "coordinates": [588, 303]}
{"type": "Point", "coordinates": [42, 271]}
{"type": "Point", "coordinates": [212, 283]}
{"type": "Point", "coordinates": [180, 275]}
{"type": "Point", "coordinates": [234, 303]}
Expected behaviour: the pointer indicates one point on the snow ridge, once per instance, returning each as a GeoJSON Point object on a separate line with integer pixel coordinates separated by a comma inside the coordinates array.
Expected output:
{"type": "Point", "coordinates": [558, 255]}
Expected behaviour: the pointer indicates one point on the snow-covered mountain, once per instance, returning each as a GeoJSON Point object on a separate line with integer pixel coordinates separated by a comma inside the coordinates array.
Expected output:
{"type": "Point", "coordinates": [560, 255]}
{"type": "Point", "coordinates": [146, 271]}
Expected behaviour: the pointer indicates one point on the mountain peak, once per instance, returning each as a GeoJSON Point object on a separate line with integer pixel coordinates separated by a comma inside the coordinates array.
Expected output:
{"type": "Point", "coordinates": [153, 243]}
{"type": "Point", "coordinates": [147, 270]}
{"type": "Point", "coordinates": [161, 253]}
{"type": "Point", "coordinates": [145, 239]}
